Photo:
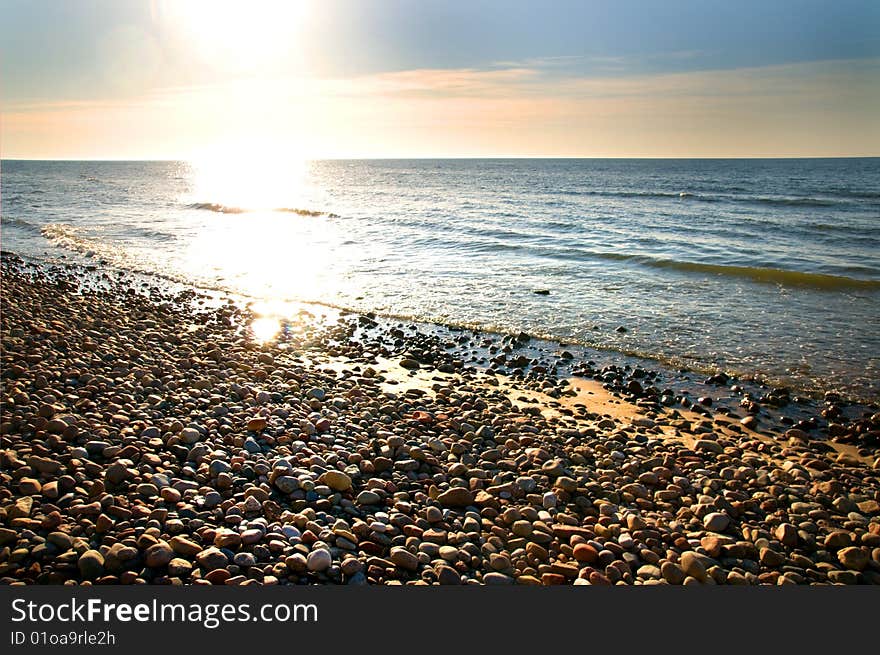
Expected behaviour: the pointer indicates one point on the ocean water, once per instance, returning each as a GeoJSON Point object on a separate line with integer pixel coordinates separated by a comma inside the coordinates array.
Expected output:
{"type": "Point", "coordinates": [767, 268]}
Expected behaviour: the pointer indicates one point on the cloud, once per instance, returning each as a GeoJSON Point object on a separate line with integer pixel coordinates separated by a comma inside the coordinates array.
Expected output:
{"type": "Point", "coordinates": [805, 79]}
{"type": "Point", "coordinates": [453, 83]}
{"type": "Point", "coordinates": [820, 108]}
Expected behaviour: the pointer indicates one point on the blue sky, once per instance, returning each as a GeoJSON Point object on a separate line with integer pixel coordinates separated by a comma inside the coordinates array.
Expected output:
{"type": "Point", "coordinates": [95, 52]}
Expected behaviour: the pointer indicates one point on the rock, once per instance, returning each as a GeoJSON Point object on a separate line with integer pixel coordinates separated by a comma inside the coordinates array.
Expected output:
{"type": "Point", "coordinates": [226, 538]}
{"type": "Point", "coordinates": [648, 571]}
{"type": "Point", "coordinates": [336, 480]}
{"type": "Point", "coordinates": [190, 436]}
{"type": "Point", "coordinates": [351, 566]}
{"type": "Point", "coordinates": [212, 558]}
{"type": "Point", "coordinates": [585, 553]}
{"type": "Point", "coordinates": [456, 497]}
{"type": "Point", "coordinates": [716, 521]}
{"type": "Point", "coordinates": [147, 490]}
{"type": "Point", "coordinates": [29, 486]}
{"type": "Point", "coordinates": [367, 497]}
{"type": "Point", "coordinates": [44, 465]}
{"type": "Point", "coordinates": [91, 564]}
{"type": "Point", "coordinates": [672, 573]}
{"type": "Point", "coordinates": [244, 560]}
{"type": "Point", "coordinates": [156, 433]}
{"type": "Point", "coordinates": [179, 567]}
{"type": "Point", "coordinates": [837, 540]}
{"type": "Point", "coordinates": [522, 528]}
{"type": "Point", "coordinates": [691, 564]}
{"type": "Point", "coordinates": [709, 446]}
{"type": "Point", "coordinates": [771, 558]}
{"type": "Point", "coordinates": [404, 559]}
{"type": "Point", "coordinates": [287, 484]}
{"type": "Point", "coordinates": [7, 537]}
{"type": "Point", "coordinates": [712, 545]}
{"type": "Point", "coordinates": [496, 561]}
{"type": "Point", "coordinates": [61, 540]}
{"type": "Point", "coordinates": [451, 553]}
{"type": "Point", "coordinates": [843, 577]}
{"type": "Point", "coordinates": [319, 560]}
{"type": "Point", "coordinates": [218, 466]}
{"type": "Point", "coordinates": [787, 534]}
{"type": "Point", "coordinates": [749, 422]}
{"type": "Point", "coordinates": [21, 508]}
{"type": "Point", "coordinates": [57, 426]}
{"type": "Point", "coordinates": [158, 555]}
{"type": "Point", "coordinates": [446, 575]}
{"type": "Point", "coordinates": [116, 473]}
{"type": "Point", "coordinates": [183, 546]}
{"type": "Point", "coordinates": [256, 424]}
{"type": "Point", "coordinates": [853, 558]}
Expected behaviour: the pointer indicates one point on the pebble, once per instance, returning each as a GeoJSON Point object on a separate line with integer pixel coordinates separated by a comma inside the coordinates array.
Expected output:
{"type": "Point", "coordinates": [585, 553]}
{"type": "Point", "coordinates": [188, 454]}
{"type": "Point", "coordinates": [212, 558]}
{"type": "Point", "coordinates": [336, 480]}
{"type": "Point", "coordinates": [716, 521]}
{"type": "Point", "coordinates": [853, 558]}
{"type": "Point", "coordinates": [446, 575]}
{"type": "Point", "coordinates": [450, 553]}
{"type": "Point", "coordinates": [404, 559]}
{"type": "Point", "coordinates": [691, 565]}
{"type": "Point", "coordinates": [158, 555]}
{"type": "Point", "coordinates": [456, 497]}
{"type": "Point", "coordinates": [91, 564]}
{"type": "Point", "coordinates": [319, 560]}
{"type": "Point", "coordinates": [367, 497]}
{"type": "Point", "coordinates": [672, 573]}
{"type": "Point", "coordinates": [190, 436]}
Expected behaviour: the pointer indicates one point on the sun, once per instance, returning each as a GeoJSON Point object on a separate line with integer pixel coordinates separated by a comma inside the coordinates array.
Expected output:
{"type": "Point", "coordinates": [244, 36]}
{"type": "Point", "coordinates": [249, 175]}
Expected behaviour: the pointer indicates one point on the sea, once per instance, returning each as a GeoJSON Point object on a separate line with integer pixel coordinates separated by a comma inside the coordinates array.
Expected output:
{"type": "Point", "coordinates": [766, 268]}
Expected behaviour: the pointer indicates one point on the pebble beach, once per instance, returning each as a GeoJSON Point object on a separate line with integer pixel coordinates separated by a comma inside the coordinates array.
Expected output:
{"type": "Point", "coordinates": [148, 438]}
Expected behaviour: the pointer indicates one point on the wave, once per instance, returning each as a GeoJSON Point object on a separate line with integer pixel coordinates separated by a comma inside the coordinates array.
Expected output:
{"type": "Point", "coordinates": [789, 202]}
{"type": "Point", "coordinates": [226, 209]}
{"type": "Point", "coordinates": [677, 195]}
{"type": "Point", "coordinates": [722, 197]}
{"type": "Point", "coordinates": [20, 223]}
{"type": "Point", "coordinates": [66, 236]}
{"type": "Point", "coordinates": [756, 273]}
{"type": "Point", "coordinates": [850, 193]}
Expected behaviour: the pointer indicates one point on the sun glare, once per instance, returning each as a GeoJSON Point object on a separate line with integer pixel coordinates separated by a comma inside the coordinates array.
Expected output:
{"type": "Point", "coordinates": [265, 328]}
{"type": "Point", "coordinates": [237, 35]}
{"type": "Point", "coordinates": [248, 177]}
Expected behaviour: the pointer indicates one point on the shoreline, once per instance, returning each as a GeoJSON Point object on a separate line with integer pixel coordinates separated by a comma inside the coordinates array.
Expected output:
{"type": "Point", "coordinates": [144, 440]}
{"type": "Point", "coordinates": [692, 370]}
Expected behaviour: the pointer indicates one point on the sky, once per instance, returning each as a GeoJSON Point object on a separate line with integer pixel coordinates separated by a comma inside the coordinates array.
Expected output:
{"type": "Point", "coordinates": [178, 79]}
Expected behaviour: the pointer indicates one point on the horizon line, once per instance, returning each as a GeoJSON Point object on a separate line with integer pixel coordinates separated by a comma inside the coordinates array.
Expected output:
{"type": "Point", "coordinates": [460, 158]}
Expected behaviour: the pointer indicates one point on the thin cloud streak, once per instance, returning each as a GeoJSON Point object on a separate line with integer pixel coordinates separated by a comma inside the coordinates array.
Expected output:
{"type": "Point", "coordinates": [819, 108]}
